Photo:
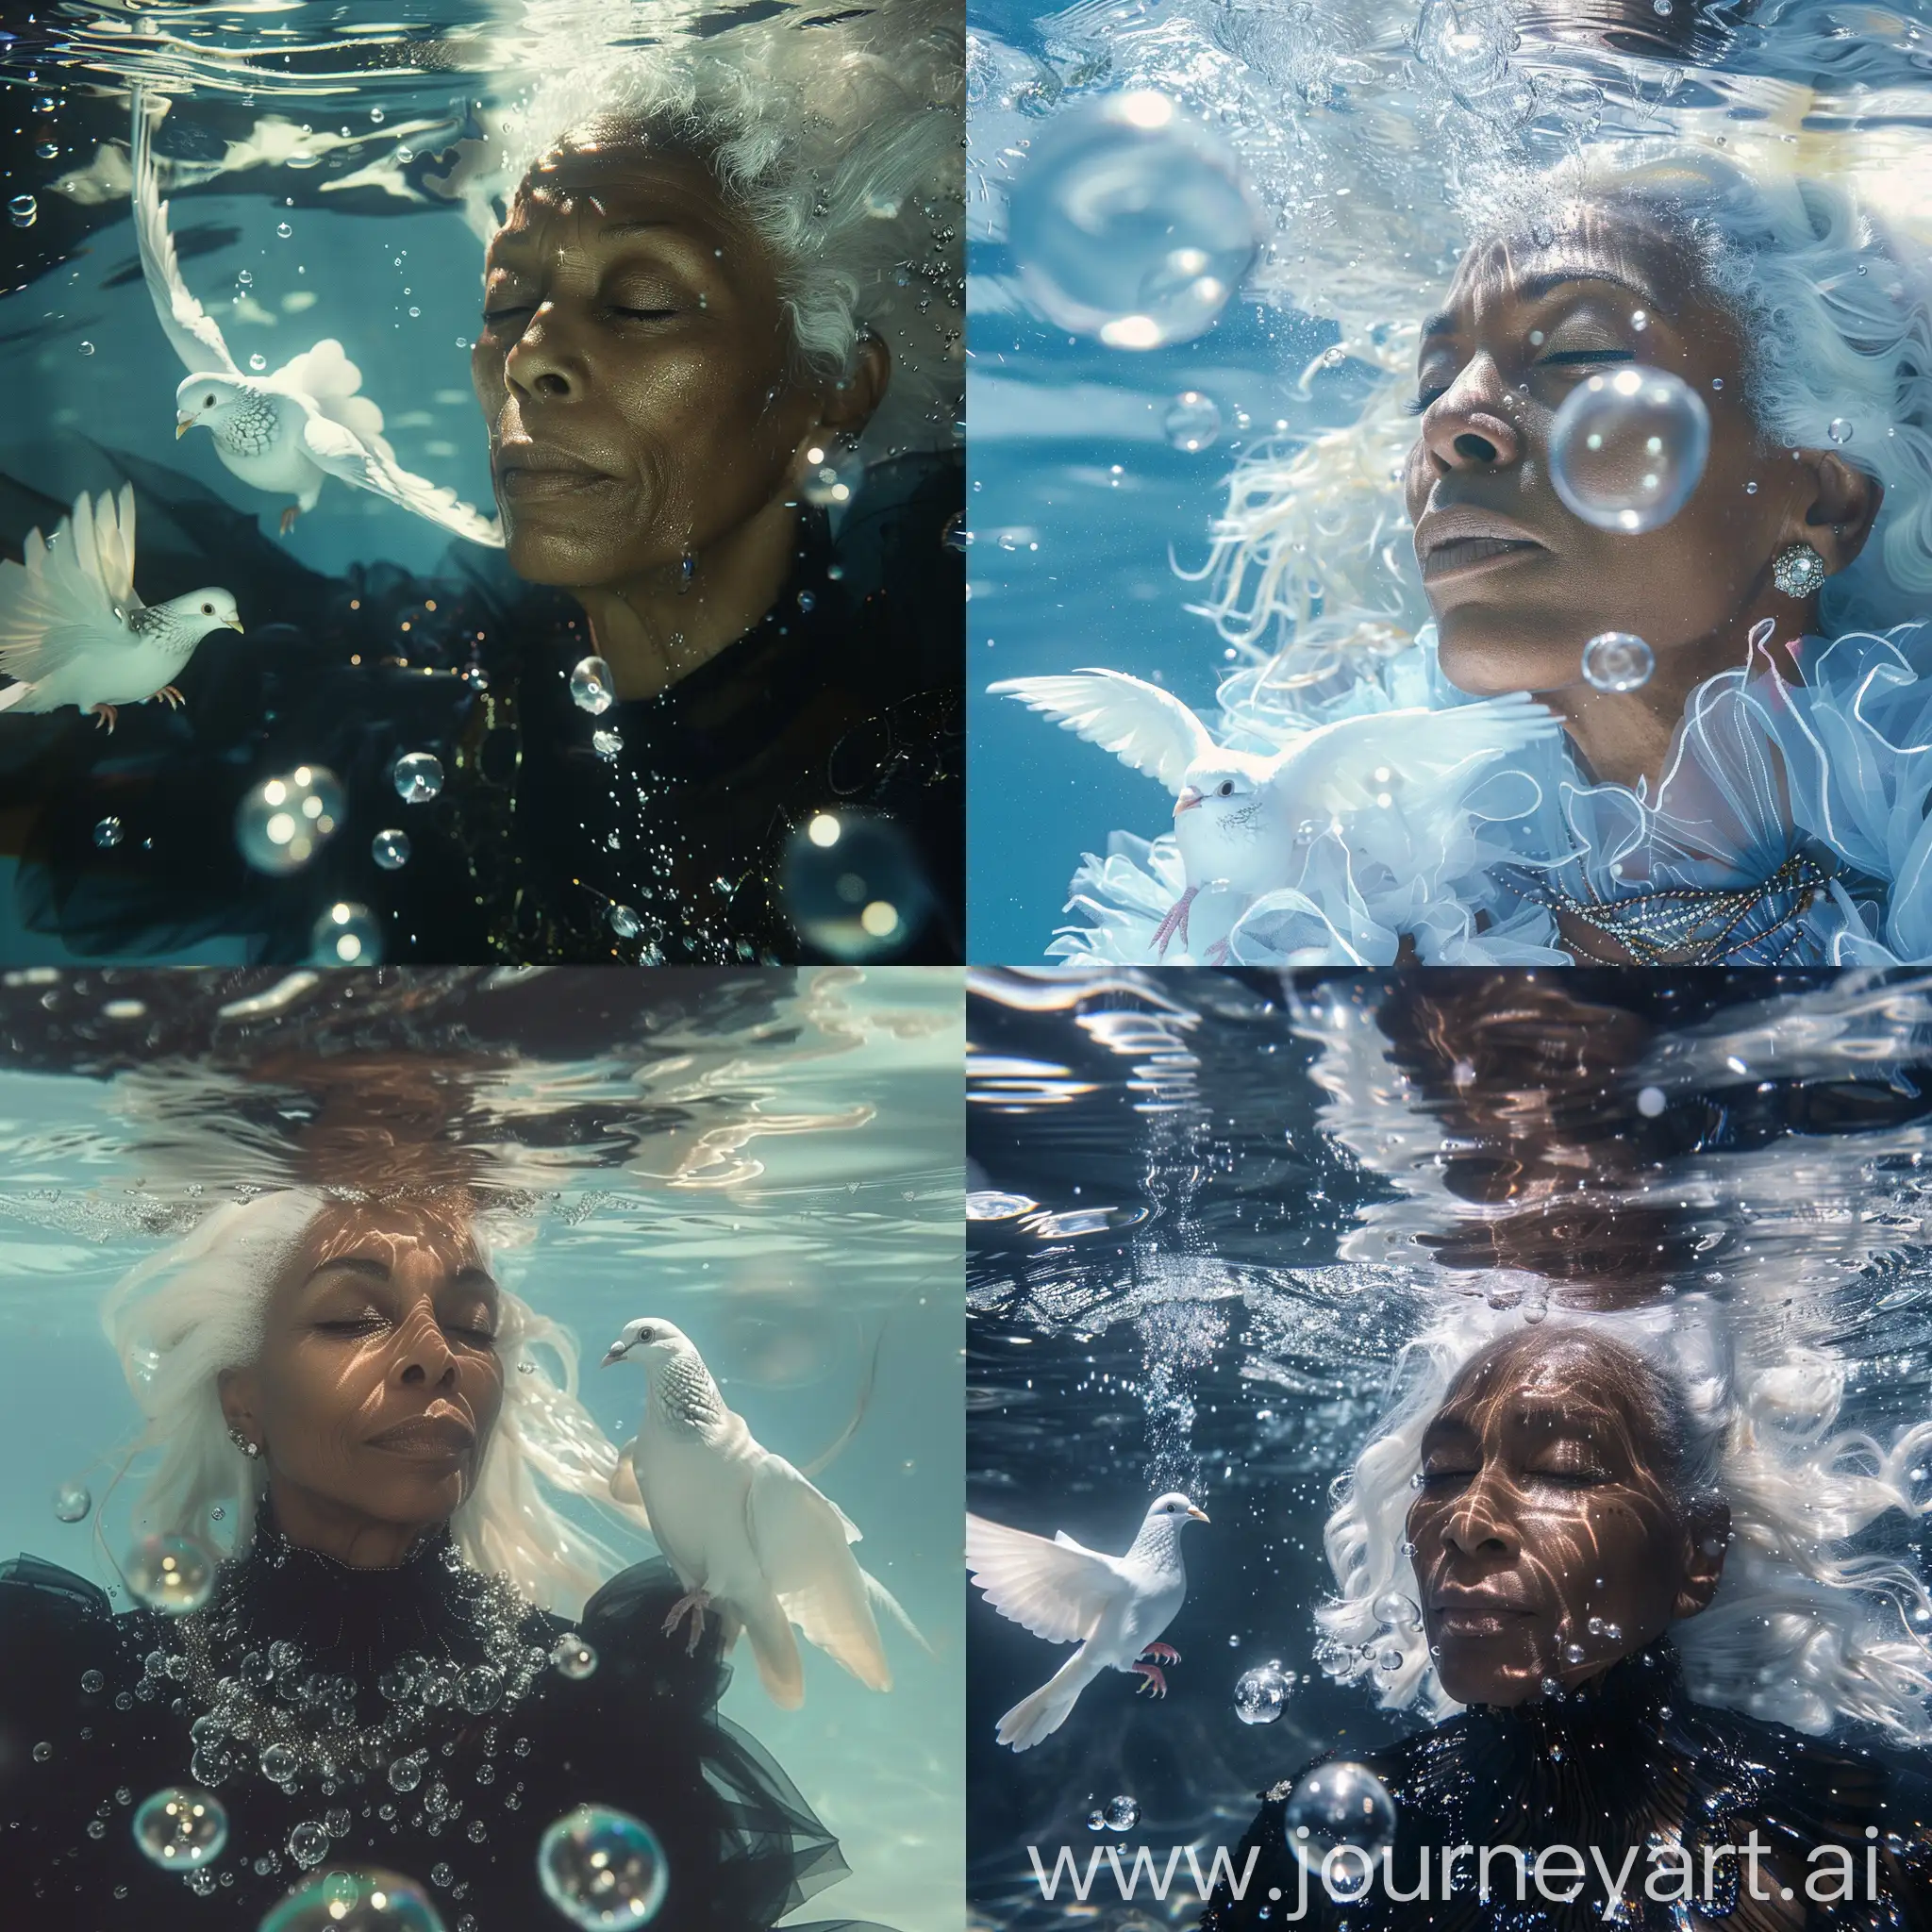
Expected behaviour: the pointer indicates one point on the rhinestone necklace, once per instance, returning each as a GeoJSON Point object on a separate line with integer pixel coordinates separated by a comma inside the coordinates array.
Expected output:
{"type": "Point", "coordinates": [271, 1710]}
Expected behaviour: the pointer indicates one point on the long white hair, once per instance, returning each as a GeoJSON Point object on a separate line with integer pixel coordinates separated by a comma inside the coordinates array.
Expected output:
{"type": "Point", "coordinates": [181, 1317]}
{"type": "Point", "coordinates": [1312, 566]}
{"type": "Point", "coordinates": [842, 145]}
{"type": "Point", "coordinates": [1805, 1629]}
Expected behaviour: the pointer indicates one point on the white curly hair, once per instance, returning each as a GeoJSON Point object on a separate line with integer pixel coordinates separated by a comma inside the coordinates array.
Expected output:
{"type": "Point", "coordinates": [842, 144]}
{"type": "Point", "coordinates": [1311, 570]}
{"type": "Point", "coordinates": [182, 1316]}
{"type": "Point", "coordinates": [1805, 1629]}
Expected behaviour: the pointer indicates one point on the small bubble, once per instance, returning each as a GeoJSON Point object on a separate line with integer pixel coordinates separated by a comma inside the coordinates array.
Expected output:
{"type": "Point", "coordinates": [21, 208]}
{"type": "Point", "coordinates": [257, 361]}
{"type": "Point", "coordinates": [1839, 430]}
{"type": "Point", "coordinates": [87, 348]}
{"type": "Point", "coordinates": [284, 231]}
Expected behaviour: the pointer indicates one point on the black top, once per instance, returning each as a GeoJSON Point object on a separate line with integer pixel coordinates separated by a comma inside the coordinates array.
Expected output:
{"type": "Point", "coordinates": [80, 1752]}
{"type": "Point", "coordinates": [1623, 1762]}
{"type": "Point", "coordinates": [849, 695]}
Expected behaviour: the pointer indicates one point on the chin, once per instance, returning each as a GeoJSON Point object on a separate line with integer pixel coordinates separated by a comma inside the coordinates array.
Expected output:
{"type": "Point", "coordinates": [1489, 653]}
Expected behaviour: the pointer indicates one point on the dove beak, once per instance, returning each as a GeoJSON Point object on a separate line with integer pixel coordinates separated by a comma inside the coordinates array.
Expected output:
{"type": "Point", "coordinates": [182, 425]}
{"type": "Point", "coordinates": [234, 623]}
{"type": "Point", "coordinates": [1188, 799]}
{"type": "Point", "coordinates": [1198, 1515]}
{"type": "Point", "coordinates": [617, 1353]}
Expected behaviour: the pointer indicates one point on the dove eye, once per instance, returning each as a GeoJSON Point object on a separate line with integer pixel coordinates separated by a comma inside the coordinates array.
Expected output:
{"type": "Point", "coordinates": [209, 403]}
{"type": "Point", "coordinates": [1226, 787]}
{"type": "Point", "coordinates": [208, 609]}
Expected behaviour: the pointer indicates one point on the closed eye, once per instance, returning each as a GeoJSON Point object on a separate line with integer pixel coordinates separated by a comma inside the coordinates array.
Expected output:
{"type": "Point", "coordinates": [644, 314]}
{"type": "Point", "coordinates": [1591, 355]}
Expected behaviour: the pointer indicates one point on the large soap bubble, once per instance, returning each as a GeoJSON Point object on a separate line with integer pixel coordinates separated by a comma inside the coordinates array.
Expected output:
{"type": "Point", "coordinates": [358, 1901]}
{"type": "Point", "coordinates": [1338, 1804]}
{"type": "Point", "coordinates": [1261, 1694]}
{"type": "Point", "coordinates": [1131, 222]}
{"type": "Point", "coordinates": [173, 1574]}
{"type": "Point", "coordinates": [1618, 660]}
{"type": "Point", "coordinates": [71, 1501]}
{"type": "Point", "coordinates": [1626, 450]}
{"type": "Point", "coordinates": [603, 1868]}
{"type": "Point", "coordinates": [181, 1828]}
{"type": "Point", "coordinates": [851, 887]}
{"type": "Point", "coordinates": [283, 822]}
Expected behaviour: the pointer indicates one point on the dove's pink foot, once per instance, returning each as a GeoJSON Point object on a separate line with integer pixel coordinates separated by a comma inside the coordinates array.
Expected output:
{"type": "Point", "coordinates": [170, 698]}
{"type": "Point", "coordinates": [1162, 1652]}
{"type": "Point", "coordinates": [1175, 922]}
{"type": "Point", "coordinates": [1216, 955]}
{"type": "Point", "coordinates": [1154, 1677]}
{"type": "Point", "coordinates": [696, 1602]}
{"type": "Point", "coordinates": [104, 714]}
{"type": "Point", "coordinates": [289, 516]}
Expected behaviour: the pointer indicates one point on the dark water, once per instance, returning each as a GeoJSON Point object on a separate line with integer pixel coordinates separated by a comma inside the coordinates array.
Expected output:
{"type": "Point", "coordinates": [1233, 1199]}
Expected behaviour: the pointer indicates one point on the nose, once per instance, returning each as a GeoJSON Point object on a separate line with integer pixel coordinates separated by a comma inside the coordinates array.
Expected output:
{"type": "Point", "coordinates": [544, 361]}
{"type": "Point", "coordinates": [1479, 1523]}
{"type": "Point", "coordinates": [425, 1357]}
{"type": "Point", "coordinates": [1466, 428]}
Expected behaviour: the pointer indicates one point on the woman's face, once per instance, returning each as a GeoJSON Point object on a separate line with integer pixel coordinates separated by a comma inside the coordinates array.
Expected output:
{"type": "Point", "coordinates": [385, 1319]}
{"type": "Point", "coordinates": [1547, 1541]}
{"type": "Point", "coordinates": [1518, 582]}
{"type": "Point", "coordinates": [634, 368]}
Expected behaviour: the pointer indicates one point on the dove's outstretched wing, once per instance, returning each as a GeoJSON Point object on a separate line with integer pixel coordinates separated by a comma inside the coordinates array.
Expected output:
{"type": "Point", "coordinates": [326, 374]}
{"type": "Point", "coordinates": [1429, 751]}
{"type": "Point", "coordinates": [1058, 1590]}
{"type": "Point", "coordinates": [113, 523]}
{"type": "Point", "coordinates": [193, 331]}
{"type": "Point", "coordinates": [372, 465]}
{"type": "Point", "coordinates": [55, 607]}
{"type": "Point", "coordinates": [799, 1536]}
{"type": "Point", "coordinates": [1142, 725]}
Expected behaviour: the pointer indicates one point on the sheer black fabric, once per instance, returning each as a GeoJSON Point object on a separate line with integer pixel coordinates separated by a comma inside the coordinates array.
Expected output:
{"type": "Point", "coordinates": [641, 1735]}
{"type": "Point", "coordinates": [848, 695]}
{"type": "Point", "coordinates": [1624, 1762]}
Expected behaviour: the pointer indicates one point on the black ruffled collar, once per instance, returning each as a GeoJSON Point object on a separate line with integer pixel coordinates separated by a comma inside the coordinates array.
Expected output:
{"type": "Point", "coordinates": [352, 1619]}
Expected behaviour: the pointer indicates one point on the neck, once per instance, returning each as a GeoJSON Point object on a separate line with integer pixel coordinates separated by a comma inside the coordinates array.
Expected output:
{"type": "Point", "coordinates": [1622, 737]}
{"type": "Point", "coordinates": [314, 1522]}
{"type": "Point", "coordinates": [659, 626]}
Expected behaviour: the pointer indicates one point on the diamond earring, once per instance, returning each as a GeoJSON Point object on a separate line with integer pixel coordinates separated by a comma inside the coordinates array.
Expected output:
{"type": "Point", "coordinates": [243, 1443]}
{"type": "Point", "coordinates": [1797, 570]}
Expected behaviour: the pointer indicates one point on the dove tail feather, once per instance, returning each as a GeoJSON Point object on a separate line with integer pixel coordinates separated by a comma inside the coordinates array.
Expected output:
{"type": "Point", "coordinates": [13, 693]}
{"type": "Point", "coordinates": [776, 1649]}
{"type": "Point", "coordinates": [1039, 1714]}
{"type": "Point", "coordinates": [882, 1599]}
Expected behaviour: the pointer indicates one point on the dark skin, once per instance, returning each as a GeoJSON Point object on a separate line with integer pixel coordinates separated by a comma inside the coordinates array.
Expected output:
{"type": "Point", "coordinates": [1545, 1503]}
{"type": "Point", "coordinates": [384, 1315]}
{"type": "Point", "coordinates": [636, 370]}
{"type": "Point", "coordinates": [1525, 324]}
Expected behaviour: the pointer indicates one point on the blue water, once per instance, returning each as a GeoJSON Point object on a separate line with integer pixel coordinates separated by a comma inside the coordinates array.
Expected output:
{"type": "Point", "coordinates": [788, 1192]}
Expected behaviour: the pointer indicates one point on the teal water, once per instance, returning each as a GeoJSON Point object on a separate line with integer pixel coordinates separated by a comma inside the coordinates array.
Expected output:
{"type": "Point", "coordinates": [776, 1167]}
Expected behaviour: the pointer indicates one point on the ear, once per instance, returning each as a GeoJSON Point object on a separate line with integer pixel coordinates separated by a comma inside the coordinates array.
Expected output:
{"type": "Point", "coordinates": [1835, 511]}
{"type": "Point", "coordinates": [849, 405]}
{"type": "Point", "coordinates": [238, 1393]}
{"type": "Point", "coordinates": [1709, 1533]}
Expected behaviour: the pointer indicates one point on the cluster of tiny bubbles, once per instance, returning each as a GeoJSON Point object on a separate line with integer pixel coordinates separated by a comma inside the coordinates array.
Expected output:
{"type": "Point", "coordinates": [108, 833]}
{"type": "Point", "coordinates": [1611, 1633]}
{"type": "Point", "coordinates": [607, 743]}
{"type": "Point", "coordinates": [173, 1574]}
{"type": "Point", "coordinates": [1468, 44]}
{"type": "Point", "coordinates": [832, 475]}
{"type": "Point", "coordinates": [358, 1900]}
{"type": "Point", "coordinates": [417, 776]}
{"type": "Point", "coordinates": [346, 934]}
{"type": "Point", "coordinates": [1626, 450]}
{"type": "Point", "coordinates": [1338, 1804]}
{"type": "Point", "coordinates": [1131, 222]}
{"type": "Point", "coordinates": [390, 849]}
{"type": "Point", "coordinates": [181, 1828]}
{"type": "Point", "coordinates": [1261, 1694]}
{"type": "Point", "coordinates": [986, 1204]}
{"type": "Point", "coordinates": [603, 1868]}
{"type": "Point", "coordinates": [72, 1502]}
{"type": "Point", "coordinates": [1192, 421]}
{"type": "Point", "coordinates": [21, 210]}
{"type": "Point", "coordinates": [1117, 1814]}
{"type": "Point", "coordinates": [591, 685]}
{"type": "Point", "coordinates": [285, 821]}
{"type": "Point", "coordinates": [573, 1656]}
{"type": "Point", "coordinates": [1618, 660]}
{"type": "Point", "coordinates": [851, 887]}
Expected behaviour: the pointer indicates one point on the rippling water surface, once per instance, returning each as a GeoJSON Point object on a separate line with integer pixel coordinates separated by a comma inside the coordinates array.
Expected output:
{"type": "Point", "coordinates": [1208, 1209]}
{"type": "Point", "coordinates": [770, 1159]}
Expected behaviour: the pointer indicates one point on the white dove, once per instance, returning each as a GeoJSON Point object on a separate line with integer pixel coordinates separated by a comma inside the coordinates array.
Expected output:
{"type": "Point", "coordinates": [1240, 817]}
{"type": "Point", "coordinates": [71, 630]}
{"type": "Point", "coordinates": [284, 432]}
{"type": "Point", "coordinates": [749, 1538]}
{"type": "Point", "coordinates": [1114, 1607]}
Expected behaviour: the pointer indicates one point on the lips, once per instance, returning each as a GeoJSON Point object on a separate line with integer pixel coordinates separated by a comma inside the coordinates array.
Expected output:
{"type": "Point", "coordinates": [528, 468]}
{"type": "Point", "coordinates": [424, 1435]}
{"type": "Point", "coordinates": [1458, 539]}
{"type": "Point", "coordinates": [1476, 1613]}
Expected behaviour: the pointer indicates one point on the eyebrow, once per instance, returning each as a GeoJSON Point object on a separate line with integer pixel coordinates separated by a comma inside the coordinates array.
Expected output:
{"type": "Point", "coordinates": [474, 1275]}
{"type": "Point", "coordinates": [1537, 286]}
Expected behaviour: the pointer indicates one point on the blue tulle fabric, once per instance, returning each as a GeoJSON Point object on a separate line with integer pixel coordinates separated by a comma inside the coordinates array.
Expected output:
{"type": "Point", "coordinates": [1791, 828]}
